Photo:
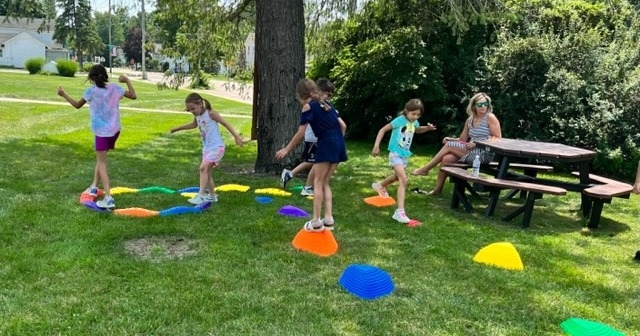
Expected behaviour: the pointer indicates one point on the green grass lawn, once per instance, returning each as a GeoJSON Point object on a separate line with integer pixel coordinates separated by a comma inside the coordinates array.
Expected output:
{"type": "Point", "coordinates": [66, 270]}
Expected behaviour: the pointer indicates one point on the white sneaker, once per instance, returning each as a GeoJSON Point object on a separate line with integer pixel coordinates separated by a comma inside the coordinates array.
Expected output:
{"type": "Point", "coordinates": [307, 191]}
{"type": "Point", "coordinates": [106, 203]}
{"type": "Point", "coordinates": [313, 226]}
{"type": "Point", "coordinates": [198, 199]}
{"type": "Point", "coordinates": [92, 191]}
{"type": "Point", "coordinates": [212, 199]}
{"type": "Point", "coordinates": [382, 192]}
{"type": "Point", "coordinates": [401, 217]}
{"type": "Point", "coordinates": [285, 177]}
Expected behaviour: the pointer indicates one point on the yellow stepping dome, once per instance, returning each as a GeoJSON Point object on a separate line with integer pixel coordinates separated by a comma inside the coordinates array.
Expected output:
{"type": "Point", "coordinates": [232, 187]}
{"type": "Point", "coordinates": [503, 255]}
{"type": "Point", "coordinates": [189, 194]}
{"type": "Point", "coordinates": [122, 190]}
{"type": "Point", "coordinates": [273, 191]}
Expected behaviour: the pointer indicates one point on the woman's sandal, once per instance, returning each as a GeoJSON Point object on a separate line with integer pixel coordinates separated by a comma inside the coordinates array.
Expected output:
{"type": "Point", "coordinates": [309, 227]}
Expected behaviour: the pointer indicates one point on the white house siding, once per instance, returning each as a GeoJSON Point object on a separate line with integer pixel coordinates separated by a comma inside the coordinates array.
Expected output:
{"type": "Point", "coordinates": [21, 48]}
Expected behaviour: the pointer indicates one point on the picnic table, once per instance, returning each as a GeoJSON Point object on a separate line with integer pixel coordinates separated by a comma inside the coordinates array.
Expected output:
{"type": "Point", "coordinates": [509, 150]}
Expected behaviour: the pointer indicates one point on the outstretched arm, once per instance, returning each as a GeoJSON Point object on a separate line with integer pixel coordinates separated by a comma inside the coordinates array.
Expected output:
{"type": "Point", "coordinates": [75, 103]}
{"type": "Point", "coordinates": [376, 146]}
{"type": "Point", "coordinates": [424, 129]}
{"type": "Point", "coordinates": [297, 138]}
{"type": "Point", "coordinates": [190, 125]}
{"type": "Point", "coordinates": [215, 116]}
{"type": "Point", "coordinates": [131, 92]}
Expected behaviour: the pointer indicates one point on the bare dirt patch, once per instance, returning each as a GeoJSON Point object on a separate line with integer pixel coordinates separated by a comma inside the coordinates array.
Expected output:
{"type": "Point", "coordinates": [156, 249]}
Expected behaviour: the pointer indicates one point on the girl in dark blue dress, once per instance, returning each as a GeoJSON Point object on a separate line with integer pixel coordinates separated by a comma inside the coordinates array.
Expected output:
{"type": "Point", "coordinates": [331, 150]}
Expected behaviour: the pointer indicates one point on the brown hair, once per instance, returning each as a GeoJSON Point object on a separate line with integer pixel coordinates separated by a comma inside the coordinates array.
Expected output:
{"type": "Point", "coordinates": [412, 105]}
{"type": "Point", "coordinates": [305, 89]}
{"type": "Point", "coordinates": [197, 98]}
{"type": "Point", "coordinates": [98, 75]}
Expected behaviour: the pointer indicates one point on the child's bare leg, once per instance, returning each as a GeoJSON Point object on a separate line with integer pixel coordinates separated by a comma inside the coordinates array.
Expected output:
{"type": "Point", "coordinates": [101, 172]}
{"type": "Point", "coordinates": [442, 177]}
{"type": "Point", "coordinates": [310, 177]}
{"type": "Point", "coordinates": [302, 167]}
{"type": "Point", "coordinates": [438, 158]}
{"type": "Point", "coordinates": [390, 179]}
{"type": "Point", "coordinates": [401, 177]}
{"type": "Point", "coordinates": [205, 177]}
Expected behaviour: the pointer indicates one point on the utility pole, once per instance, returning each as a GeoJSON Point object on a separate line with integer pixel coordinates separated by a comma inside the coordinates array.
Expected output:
{"type": "Point", "coordinates": [110, 47]}
{"type": "Point", "coordinates": [144, 70]}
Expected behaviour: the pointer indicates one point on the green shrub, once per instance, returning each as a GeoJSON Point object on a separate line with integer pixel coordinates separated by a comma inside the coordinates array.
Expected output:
{"type": "Point", "coordinates": [34, 65]}
{"type": "Point", "coordinates": [67, 68]}
{"type": "Point", "coordinates": [86, 66]}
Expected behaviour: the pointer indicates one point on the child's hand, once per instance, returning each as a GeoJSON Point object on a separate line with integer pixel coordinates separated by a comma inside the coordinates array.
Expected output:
{"type": "Point", "coordinates": [173, 130]}
{"type": "Point", "coordinates": [375, 151]}
{"type": "Point", "coordinates": [281, 153]}
{"type": "Point", "coordinates": [61, 92]}
{"type": "Point", "coordinates": [123, 79]}
{"type": "Point", "coordinates": [431, 127]}
{"type": "Point", "coordinates": [239, 141]}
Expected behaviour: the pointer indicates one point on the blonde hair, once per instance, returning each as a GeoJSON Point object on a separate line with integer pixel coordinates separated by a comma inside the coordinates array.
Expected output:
{"type": "Point", "coordinates": [471, 108]}
{"type": "Point", "coordinates": [305, 89]}
{"type": "Point", "coordinates": [412, 105]}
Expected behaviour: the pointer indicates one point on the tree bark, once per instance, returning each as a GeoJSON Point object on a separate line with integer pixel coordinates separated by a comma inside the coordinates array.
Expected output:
{"type": "Point", "coordinates": [279, 64]}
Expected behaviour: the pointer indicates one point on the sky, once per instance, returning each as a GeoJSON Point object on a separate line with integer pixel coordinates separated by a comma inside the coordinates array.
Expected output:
{"type": "Point", "coordinates": [133, 5]}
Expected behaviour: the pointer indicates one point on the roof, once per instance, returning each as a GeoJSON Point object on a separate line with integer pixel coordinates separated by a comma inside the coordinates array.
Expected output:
{"type": "Point", "coordinates": [25, 24]}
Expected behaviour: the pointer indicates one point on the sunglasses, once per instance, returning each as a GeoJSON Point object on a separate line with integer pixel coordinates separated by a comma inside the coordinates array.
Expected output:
{"type": "Point", "coordinates": [485, 104]}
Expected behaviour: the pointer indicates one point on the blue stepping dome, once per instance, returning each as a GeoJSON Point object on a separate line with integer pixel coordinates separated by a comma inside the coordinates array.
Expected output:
{"type": "Point", "coordinates": [366, 282]}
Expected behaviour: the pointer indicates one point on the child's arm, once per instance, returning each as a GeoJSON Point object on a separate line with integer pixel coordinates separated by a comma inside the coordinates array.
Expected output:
{"type": "Point", "coordinates": [424, 129]}
{"type": "Point", "coordinates": [190, 125]}
{"type": "Point", "coordinates": [75, 103]}
{"type": "Point", "coordinates": [131, 92]}
{"type": "Point", "coordinates": [215, 116]}
{"type": "Point", "coordinates": [376, 146]}
{"type": "Point", "coordinates": [343, 126]}
{"type": "Point", "coordinates": [297, 138]}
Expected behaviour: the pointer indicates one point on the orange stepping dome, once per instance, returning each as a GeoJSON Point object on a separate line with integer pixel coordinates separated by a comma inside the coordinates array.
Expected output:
{"type": "Point", "coordinates": [503, 255]}
{"type": "Point", "coordinates": [318, 243]}
{"type": "Point", "coordinates": [380, 201]}
{"type": "Point", "coordinates": [136, 212]}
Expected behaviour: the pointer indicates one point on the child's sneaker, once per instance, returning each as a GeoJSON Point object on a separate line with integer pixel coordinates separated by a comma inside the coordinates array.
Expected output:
{"type": "Point", "coordinates": [93, 191]}
{"type": "Point", "coordinates": [106, 203]}
{"type": "Point", "coordinates": [285, 177]}
{"type": "Point", "coordinates": [313, 226]}
{"type": "Point", "coordinates": [382, 192]}
{"type": "Point", "coordinates": [198, 199]}
{"type": "Point", "coordinates": [400, 216]}
{"type": "Point", "coordinates": [210, 198]}
{"type": "Point", "coordinates": [307, 191]}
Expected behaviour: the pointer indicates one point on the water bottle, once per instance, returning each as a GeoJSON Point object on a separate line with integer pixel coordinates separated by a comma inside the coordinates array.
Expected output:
{"type": "Point", "coordinates": [476, 166]}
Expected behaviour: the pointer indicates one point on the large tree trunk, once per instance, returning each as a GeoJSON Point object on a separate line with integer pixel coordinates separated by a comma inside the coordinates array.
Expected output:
{"type": "Point", "coordinates": [279, 64]}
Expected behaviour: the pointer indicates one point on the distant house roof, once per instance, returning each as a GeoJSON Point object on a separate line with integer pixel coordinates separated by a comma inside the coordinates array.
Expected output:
{"type": "Point", "coordinates": [6, 37]}
{"type": "Point", "coordinates": [26, 24]}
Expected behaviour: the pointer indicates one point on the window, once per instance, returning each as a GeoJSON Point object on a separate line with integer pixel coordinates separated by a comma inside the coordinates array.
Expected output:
{"type": "Point", "coordinates": [1, 53]}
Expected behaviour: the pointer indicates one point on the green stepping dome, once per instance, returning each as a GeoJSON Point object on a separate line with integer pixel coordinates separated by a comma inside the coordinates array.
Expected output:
{"type": "Point", "coordinates": [581, 327]}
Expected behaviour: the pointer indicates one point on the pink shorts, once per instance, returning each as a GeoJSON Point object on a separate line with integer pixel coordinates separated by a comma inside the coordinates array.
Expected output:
{"type": "Point", "coordinates": [213, 155]}
{"type": "Point", "coordinates": [106, 143]}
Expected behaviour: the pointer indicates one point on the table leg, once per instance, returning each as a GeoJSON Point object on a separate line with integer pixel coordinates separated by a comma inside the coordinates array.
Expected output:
{"type": "Point", "coordinates": [586, 203]}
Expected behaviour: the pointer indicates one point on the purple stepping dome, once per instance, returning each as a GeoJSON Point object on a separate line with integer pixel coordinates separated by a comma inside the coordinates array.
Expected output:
{"type": "Point", "coordinates": [290, 210]}
{"type": "Point", "coordinates": [94, 207]}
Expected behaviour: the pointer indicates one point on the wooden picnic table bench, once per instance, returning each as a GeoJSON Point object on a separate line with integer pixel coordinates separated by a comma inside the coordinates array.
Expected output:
{"type": "Point", "coordinates": [604, 190]}
{"type": "Point", "coordinates": [461, 177]}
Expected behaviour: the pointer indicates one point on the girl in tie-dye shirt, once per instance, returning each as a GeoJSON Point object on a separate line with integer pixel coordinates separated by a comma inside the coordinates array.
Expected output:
{"type": "Point", "coordinates": [104, 110]}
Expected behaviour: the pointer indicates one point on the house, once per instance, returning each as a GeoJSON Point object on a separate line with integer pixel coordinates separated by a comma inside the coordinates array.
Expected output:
{"type": "Point", "coordinates": [20, 41]}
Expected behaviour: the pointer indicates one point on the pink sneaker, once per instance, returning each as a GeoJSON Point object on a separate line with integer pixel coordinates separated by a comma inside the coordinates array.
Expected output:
{"type": "Point", "coordinates": [382, 192]}
{"type": "Point", "coordinates": [400, 216]}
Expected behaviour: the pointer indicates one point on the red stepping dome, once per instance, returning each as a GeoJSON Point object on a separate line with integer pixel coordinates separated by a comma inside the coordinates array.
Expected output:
{"type": "Point", "coordinates": [319, 243]}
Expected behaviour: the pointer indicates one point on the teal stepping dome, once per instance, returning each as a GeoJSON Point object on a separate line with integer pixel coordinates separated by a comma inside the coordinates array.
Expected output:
{"type": "Point", "coordinates": [366, 282]}
{"type": "Point", "coordinates": [581, 327]}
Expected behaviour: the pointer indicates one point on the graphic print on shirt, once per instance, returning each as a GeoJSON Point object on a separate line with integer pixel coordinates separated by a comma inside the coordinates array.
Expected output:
{"type": "Point", "coordinates": [406, 135]}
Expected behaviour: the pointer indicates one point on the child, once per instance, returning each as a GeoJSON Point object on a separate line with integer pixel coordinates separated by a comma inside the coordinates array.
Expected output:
{"type": "Point", "coordinates": [207, 121]}
{"type": "Point", "coordinates": [104, 109]}
{"type": "Point", "coordinates": [402, 129]}
{"type": "Point", "coordinates": [308, 155]}
{"type": "Point", "coordinates": [330, 151]}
